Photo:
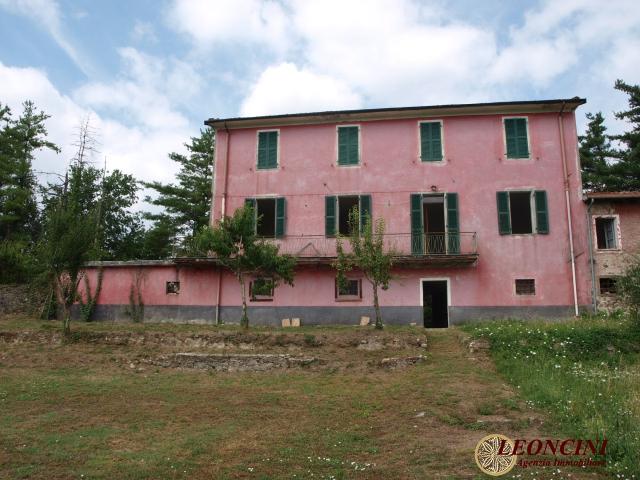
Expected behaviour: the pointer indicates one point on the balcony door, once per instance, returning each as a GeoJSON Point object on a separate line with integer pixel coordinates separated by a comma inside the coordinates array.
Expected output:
{"type": "Point", "coordinates": [435, 228]}
{"type": "Point", "coordinates": [433, 220]}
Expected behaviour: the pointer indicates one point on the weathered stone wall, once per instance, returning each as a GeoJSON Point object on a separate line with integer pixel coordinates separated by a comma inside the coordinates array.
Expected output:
{"type": "Point", "coordinates": [613, 263]}
{"type": "Point", "coordinates": [19, 299]}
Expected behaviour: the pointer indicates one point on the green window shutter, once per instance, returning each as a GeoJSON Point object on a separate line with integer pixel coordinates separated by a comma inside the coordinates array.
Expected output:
{"type": "Point", "coordinates": [281, 215]}
{"type": "Point", "coordinates": [267, 150]}
{"type": "Point", "coordinates": [365, 209]}
{"type": "Point", "coordinates": [515, 130]}
{"type": "Point", "coordinates": [453, 224]}
{"type": "Point", "coordinates": [542, 214]}
{"type": "Point", "coordinates": [417, 227]}
{"type": "Point", "coordinates": [251, 202]}
{"type": "Point", "coordinates": [348, 145]}
{"type": "Point", "coordinates": [504, 215]}
{"type": "Point", "coordinates": [430, 142]}
{"type": "Point", "coordinates": [330, 216]}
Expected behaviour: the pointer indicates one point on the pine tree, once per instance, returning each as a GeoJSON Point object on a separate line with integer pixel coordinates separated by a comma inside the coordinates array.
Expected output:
{"type": "Point", "coordinates": [187, 204]}
{"type": "Point", "coordinates": [627, 169]}
{"type": "Point", "coordinates": [595, 151]}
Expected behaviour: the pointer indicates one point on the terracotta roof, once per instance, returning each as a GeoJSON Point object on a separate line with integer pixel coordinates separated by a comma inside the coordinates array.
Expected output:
{"type": "Point", "coordinates": [371, 114]}
{"type": "Point", "coordinates": [613, 195]}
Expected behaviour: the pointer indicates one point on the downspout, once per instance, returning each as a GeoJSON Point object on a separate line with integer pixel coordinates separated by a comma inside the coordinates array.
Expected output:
{"type": "Point", "coordinates": [223, 209]}
{"type": "Point", "coordinates": [568, 209]}
{"type": "Point", "coordinates": [594, 297]}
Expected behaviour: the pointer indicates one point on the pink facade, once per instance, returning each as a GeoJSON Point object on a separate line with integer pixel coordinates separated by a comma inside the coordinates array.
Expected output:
{"type": "Point", "coordinates": [390, 170]}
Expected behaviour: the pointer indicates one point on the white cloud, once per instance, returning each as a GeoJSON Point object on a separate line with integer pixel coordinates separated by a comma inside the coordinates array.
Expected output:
{"type": "Point", "coordinates": [286, 89]}
{"type": "Point", "coordinates": [47, 14]}
{"type": "Point", "coordinates": [144, 31]}
{"type": "Point", "coordinates": [140, 150]}
{"type": "Point", "coordinates": [400, 52]}
{"type": "Point", "coordinates": [211, 23]}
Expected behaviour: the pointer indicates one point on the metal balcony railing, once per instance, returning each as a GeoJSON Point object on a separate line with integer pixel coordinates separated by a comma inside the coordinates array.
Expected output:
{"type": "Point", "coordinates": [402, 244]}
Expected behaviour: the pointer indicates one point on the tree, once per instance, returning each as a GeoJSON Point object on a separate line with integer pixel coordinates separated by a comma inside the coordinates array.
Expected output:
{"type": "Point", "coordinates": [595, 152]}
{"type": "Point", "coordinates": [236, 246]}
{"type": "Point", "coordinates": [19, 140]}
{"type": "Point", "coordinates": [187, 204]}
{"type": "Point", "coordinates": [627, 169]}
{"type": "Point", "coordinates": [368, 254]}
{"type": "Point", "coordinates": [66, 244]}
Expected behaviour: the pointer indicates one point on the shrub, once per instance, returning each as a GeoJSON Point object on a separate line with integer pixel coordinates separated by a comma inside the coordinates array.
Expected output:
{"type": "Point", "coordinates": [629, 286]}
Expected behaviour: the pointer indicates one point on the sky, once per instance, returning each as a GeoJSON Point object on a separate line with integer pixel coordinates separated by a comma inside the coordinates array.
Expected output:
{"type": "Point", "coordinates": [147, 73]}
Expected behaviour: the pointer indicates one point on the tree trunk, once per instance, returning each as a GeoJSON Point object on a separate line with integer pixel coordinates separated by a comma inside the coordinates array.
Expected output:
{"type": "Point", "coordinates": [377, 307]}
{"type": "Point", "coordinates": [244, 321]}
{"type": "Point", "coordinates": [62, 303]}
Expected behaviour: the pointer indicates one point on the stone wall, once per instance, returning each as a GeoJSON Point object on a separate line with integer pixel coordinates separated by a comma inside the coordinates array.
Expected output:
{"type": "Point", "coordinates": [19, 299]}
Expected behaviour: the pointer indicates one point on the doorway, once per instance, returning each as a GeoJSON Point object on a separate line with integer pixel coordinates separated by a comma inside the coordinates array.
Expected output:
{"type": "Point", "coordinates": [433, 212]}
{"type": "Point", "coordinates": [435, 303]}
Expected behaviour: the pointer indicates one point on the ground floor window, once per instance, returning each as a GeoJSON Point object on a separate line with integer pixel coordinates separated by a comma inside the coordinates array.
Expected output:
{"type": "Point", "coordinates": [173, 288]}
{"type": "Point", "coordinates": [608, 285]}
{"type": "Point", "coordinates": [525, 286]}
{"type": "Point", "coordinates": [351, 290]}
{"type": "Point", "coordinates": [261, 289]}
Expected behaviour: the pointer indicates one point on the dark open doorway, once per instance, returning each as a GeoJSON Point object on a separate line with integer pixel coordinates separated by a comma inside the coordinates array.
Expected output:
{"type": "Point", "coordinates": [434, 223]}
{"type": "Point", "coordinates": [435, 304]}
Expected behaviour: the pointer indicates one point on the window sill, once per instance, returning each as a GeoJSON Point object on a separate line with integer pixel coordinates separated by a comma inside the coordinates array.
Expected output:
{"type": "Point", "coordinates": [257, 299]}
{"type": "Point", "coordinates": [348, 299]}
{"type": "Point", "coordinates": [260, 169]}
{"type": "Point", "coordinates": [608, 249]}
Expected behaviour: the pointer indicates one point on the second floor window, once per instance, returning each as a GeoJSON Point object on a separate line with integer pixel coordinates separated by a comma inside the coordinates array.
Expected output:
{"type": "Point", "coordinates": [270, 216]}
{"type": "Point", "coordinates": [338, 211]}
{"type": "Point", "coordinates": [522, 212]}
{"type": "Point", "coordinates": [431, 141]}
{"type": "Point", "coordinates": [348, 145]}
{"type": "Point", "coordinates": [516, 137]}
{"type": "Point", "coordinates": [268, 149]}
{"type": "Point", "coordinates": [606, 233]}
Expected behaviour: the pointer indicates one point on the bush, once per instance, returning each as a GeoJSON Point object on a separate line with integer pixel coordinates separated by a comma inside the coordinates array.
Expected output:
{"type": "Point", "coordinates": [15, 263]}
{"type": "Point", "coordinates": [629, 286]}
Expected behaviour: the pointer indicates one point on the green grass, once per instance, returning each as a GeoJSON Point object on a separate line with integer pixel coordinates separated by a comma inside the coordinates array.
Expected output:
{"type": "Point", "coordinates": [584, 373]}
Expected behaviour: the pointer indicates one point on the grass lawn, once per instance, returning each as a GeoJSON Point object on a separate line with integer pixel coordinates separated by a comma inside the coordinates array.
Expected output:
{"type": "Point", "coordinates": [585, 374]}
{"type": "Point", "coordinates": [95, 409]}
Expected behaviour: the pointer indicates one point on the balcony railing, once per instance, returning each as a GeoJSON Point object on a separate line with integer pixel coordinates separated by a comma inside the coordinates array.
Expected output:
{"type": "Point", "coordinates": [402, 244]}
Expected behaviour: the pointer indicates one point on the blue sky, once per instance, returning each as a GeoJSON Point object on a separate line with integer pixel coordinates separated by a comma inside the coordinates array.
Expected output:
{"type": "Point", "coordinates": [149, 72]}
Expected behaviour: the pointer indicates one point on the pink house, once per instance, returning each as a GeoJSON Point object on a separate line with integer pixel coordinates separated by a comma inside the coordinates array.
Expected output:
{"type": "Point", "coordinates": [482, 202]}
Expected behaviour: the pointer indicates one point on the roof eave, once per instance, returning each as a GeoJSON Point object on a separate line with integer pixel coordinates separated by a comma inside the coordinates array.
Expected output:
{"type": "Point", "coordinates": [506, 108]}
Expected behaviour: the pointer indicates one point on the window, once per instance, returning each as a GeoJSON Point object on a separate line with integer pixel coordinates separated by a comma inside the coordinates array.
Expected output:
{"type": "Point", "coordinates": [522, 212]}
{"type": "Point", "coordinates": [268, 149]}
{"type": "Point", "coordinates": [261, 290]}
{"type": "Point", "coordinates": [606, 233]}
{"type": "Point", "coordinates": [270, 216]}
{"type": "Point", "coordinates": [173, 288]}
{"type": "Point", "coordinates": [351, 290]}
{"type": "Point", "coordinates": [608, 285]}
{"type": "Point", "coordinates": [348, 145]}
{"type": "Point", "coordinates": [431, 141]}
{"type": "Point", "coordinates": [516, 137]}
{"type": "Point", "coordinates": [525, 286]}
{"type": "Point", "coordinates": [338, 210]}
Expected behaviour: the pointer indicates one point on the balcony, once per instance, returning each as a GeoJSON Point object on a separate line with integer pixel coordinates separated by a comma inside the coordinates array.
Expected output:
{"type": "Point", "coordinates": [410, 250]}
{"type": "Point", "coordinates": [432, 249]}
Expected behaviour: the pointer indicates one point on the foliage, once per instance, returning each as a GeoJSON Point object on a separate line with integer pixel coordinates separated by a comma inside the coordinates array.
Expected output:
{"type": "Point", "coordinates": [135, 310]}
{"type": "Point", "coordinates": [595, 152]}
{"type": "Point", "coordinates": [19, 140]}
{"type": "Point", "coordinates": [236, 246]}
{"type": "Point", "coordinates": [605, 168]}
{"type": "Point", "coordinates": [627, 169]}
{"type": "Point", "coordinates": [66, 244]}
{"type": "Point", "coordinates": [629, 285]}
{"type": "Point", "coordinates": [186, 204]}
{"type": "Point", "coordinates": [583, 372]}
{"type": "Point", "coordinates": [368, 254]}
{"type": "Point", "coordinates": [88, 306]}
